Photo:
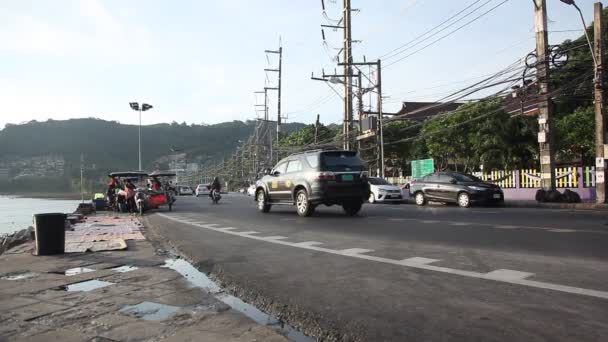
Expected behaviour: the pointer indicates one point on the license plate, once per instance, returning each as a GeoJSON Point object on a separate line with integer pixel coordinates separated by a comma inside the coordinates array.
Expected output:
{"type": "Point", "coordinates": [496, 196]}
{"type": "Point", "coordinates": [348, 178]}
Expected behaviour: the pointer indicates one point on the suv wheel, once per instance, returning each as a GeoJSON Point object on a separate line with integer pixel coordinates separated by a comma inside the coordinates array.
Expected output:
{"type": "Point", "coordinates": [303, 205]}
{"type": "Point", "coordinates": [352, 208]}
{"type": "Point", "coordinates": [263, 205]}
{"type": "Point", "coordinates": [464, 201]}
{"type": "Point", "coordinates": [420, 199]}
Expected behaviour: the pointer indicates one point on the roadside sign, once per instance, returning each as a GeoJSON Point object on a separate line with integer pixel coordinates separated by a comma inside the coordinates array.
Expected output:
{"type": "Point", "coordinates": [421, 168]}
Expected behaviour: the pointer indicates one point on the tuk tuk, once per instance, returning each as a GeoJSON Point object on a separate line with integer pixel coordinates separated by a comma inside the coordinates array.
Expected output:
{"type": "Point", "coordinates": [129, 198]}
{"type": "Point", "coordinates": [161, 192]}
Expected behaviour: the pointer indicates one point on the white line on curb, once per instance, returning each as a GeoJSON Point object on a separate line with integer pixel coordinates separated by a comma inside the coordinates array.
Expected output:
{"type": "Point", "coordinates": [502, 275]}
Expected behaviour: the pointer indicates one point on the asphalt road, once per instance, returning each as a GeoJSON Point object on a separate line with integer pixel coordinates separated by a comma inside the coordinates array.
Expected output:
{"type": "Point", "coordinates": [404, 273]}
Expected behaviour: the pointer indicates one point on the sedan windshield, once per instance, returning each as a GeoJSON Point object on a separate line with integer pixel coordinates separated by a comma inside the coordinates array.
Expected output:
{"type": "Point", "coordinates": [378, 181]}
{"type": "Point", "coordinates": [465, 178]}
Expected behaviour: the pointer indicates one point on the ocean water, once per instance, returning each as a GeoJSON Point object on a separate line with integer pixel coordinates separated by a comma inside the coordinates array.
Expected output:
{"type": "Point", "coordinates": [17, 213]}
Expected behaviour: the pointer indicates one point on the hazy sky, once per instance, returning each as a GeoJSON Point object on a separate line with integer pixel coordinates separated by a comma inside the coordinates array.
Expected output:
{"type": "Point", "coordinates": [201, 60]}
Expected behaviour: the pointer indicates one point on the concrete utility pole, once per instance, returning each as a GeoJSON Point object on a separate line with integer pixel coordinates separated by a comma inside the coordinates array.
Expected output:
{"type": "Point", "coordinates": [348, 72]}
{"type": "Point", "coordinates": [380, 120]}
{"type": "Point", "coordinates": [545, 119]}
{"type": "Point", "coordinates": [600, 125]}
{"type": "Point", "coordinates": [317, 129]}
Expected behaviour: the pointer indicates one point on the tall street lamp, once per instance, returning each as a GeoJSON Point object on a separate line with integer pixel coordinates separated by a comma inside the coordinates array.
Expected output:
{"type": "Point", "coordinates": [144, 107]}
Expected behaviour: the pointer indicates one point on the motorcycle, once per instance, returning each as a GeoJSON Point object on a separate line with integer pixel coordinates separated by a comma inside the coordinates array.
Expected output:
{"type": "Point", "coordinates": [215, 196]}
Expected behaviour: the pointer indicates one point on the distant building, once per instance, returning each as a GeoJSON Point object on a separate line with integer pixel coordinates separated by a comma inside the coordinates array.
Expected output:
{"type": "Point", "coordinates": [3, 174]}
{"type": "Point", "coordinates": [420, 111]}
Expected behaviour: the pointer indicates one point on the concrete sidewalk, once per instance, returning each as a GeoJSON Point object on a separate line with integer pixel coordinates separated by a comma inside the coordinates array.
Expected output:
{"type": "Point", "coordinates": [51, 298]}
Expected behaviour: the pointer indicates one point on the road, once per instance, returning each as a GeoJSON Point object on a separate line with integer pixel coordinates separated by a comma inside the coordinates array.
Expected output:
{"type": "Point", "coordinates": [406, 273]}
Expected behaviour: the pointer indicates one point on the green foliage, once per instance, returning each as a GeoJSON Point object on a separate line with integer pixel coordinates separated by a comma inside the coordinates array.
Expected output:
{"type": "Point", "coordinates": [306, 136]}
{"type": "Point", "coordinates": [575, 135]}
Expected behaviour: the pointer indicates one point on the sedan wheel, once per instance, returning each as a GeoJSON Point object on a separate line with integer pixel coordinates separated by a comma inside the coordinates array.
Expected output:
{"type": "Point", "coordinates": [464, 200]}
{"type": "Point", "coordinates": [420, 199]}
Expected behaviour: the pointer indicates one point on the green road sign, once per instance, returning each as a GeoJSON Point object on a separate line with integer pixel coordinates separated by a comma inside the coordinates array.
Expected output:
{"type": "Point", "coordinates": [421, 168]}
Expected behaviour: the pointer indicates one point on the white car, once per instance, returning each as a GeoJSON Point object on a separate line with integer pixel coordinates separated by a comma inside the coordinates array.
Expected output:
{"type": "Point", "coordinates": [202, 189]}
{"type": "Point", "coordinates": [251, 190]}
{"type": "Point", "coordinates": [183, 190]}
{"type": "Point", "coordinates": [383, 191]}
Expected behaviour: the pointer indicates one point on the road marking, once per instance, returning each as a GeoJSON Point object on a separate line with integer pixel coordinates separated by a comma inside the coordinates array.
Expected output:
{"type": "Point", "coordinates": [250, 232]}
{"type": "Point", "coordinates": [507, 227]}
{"type": "Point", "coordinates": [562, 230]}
{"type": "Point", "coordinates": [275, 237]}
{"type": "Point", "coordinates": [459, 224]}
{"type": "Point", "coordinates": [354, 251]}
{"type": "Point", "coordinates": [226, 228]}
{"type": "Point", "coordinates": [307, 243]}
{"type": "Point", "coordinates": [397, 219]}
{"type": "Point", "coordinates": [429, 221]}
{"type": "Point", "coordinates": [503, 276]}
{"type": "Point", "coordinates": [417, 261]}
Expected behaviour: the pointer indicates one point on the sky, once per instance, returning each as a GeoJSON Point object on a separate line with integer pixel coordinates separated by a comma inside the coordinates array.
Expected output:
{"type": "Point", "coordinates": [200, 61]}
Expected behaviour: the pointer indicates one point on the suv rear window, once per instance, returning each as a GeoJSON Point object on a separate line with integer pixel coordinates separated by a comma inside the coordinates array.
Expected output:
{"type": "Point", "coordinates": [341, 161]}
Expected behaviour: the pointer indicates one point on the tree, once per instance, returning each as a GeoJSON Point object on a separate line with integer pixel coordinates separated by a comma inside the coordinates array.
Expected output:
{"type": "Point", "coordinates": [575, 135]}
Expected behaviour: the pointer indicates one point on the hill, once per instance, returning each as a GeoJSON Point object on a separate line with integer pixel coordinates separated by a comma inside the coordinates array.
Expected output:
{"type": "Point", "coordinates": [54, 148]}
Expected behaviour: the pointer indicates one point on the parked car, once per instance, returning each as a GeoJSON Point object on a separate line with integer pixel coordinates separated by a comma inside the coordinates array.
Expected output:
{"type": "Point", "coordinates": [383, 191]}
{"type": "Point", "coordinates": [251, 190]}
{"type": "Point", "coordinates": [455, 187]}
{"type": "Point", "coordinates": [184, 190]}
{"type": "Point", "coordinates": [311, 178]}
{"type": "Point", "coordinates": [202, 189]}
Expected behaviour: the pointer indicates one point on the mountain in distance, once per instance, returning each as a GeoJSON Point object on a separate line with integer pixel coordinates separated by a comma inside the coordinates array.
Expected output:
{"type": "Point", "coordinates": [54, 148]}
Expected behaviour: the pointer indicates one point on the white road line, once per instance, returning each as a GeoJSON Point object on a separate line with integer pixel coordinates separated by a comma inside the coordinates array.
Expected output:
{"type": "Point", "coordinates": [227, 228]}
{"type": "Point", "coordinates": [429, 221]}
{"type": "Point", "coordinates": [397, 219]}
{"type": "Point", "coordinates": [250, 232]}
{"type": "Point", "coordinates": [417, 261]}
{"type": "Point", "coordinates": [459, 224]}
{"type": "Point", "coordinates": [274, 237]}
{"type": "Point", "coordinates": [307, 243]}
{"type": "Point", "coordinates": [499, 275]}
{"type": "Point", "coordinates": [503, 274]}
{"type": "Point", "coordinates": [562, 230]}
{"type": "Point", "coordinates": [507, 227]}
{"type": "Point", "coordinates": [354, 251]}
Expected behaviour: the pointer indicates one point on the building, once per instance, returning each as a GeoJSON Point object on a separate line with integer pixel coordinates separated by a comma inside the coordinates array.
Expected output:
{"type": "Point", "coordinates": [421, 111]}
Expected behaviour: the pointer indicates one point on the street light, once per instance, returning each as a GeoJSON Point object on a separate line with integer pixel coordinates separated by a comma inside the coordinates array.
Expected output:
{"type": "Point", "coordinates": [144, 107]}
{"type": "Point", "coordinates": [571, 2]}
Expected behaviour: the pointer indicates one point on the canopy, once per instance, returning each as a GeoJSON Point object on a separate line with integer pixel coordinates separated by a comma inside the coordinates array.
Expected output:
{"type": "Point", "coordinates": [162, 174]}
{"type": "Point", "coordinates": [129, 174]}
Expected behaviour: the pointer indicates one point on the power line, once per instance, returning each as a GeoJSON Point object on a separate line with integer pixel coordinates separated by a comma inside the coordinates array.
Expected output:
{"type": "Point", "coordinates": [448, 34]}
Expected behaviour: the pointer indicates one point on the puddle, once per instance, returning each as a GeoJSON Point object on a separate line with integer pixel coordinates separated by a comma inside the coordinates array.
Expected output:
{"type": "Point", "coordinates": [150, 311]}
{"type": "Point", "coordinates": [126, 268]}
{"type": "Point", "coordinates": [20, 276]}
{"type": "Point", "coordinates": [78, 270]}
{"type": "Point", "coordinates": [199, 279]}
{"type": "Point", "coordinates": [86, 286]}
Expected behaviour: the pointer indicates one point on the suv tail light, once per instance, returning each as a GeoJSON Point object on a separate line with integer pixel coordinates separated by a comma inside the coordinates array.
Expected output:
{"type": "Point", "coordinates": [326, 176]}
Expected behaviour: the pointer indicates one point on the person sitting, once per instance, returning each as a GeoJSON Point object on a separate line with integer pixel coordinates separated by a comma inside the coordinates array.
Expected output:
{"type": "Point", "coordinates": [215, 186]}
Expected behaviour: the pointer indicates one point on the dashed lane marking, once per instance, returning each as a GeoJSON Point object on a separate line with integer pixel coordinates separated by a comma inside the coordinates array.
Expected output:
{"type": "Point", "coordinates": [502, 275]}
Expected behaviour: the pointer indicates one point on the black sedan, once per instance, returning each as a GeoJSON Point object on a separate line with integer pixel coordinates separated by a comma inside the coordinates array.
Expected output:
{"type": "Point", "coordinates": [455, 187]}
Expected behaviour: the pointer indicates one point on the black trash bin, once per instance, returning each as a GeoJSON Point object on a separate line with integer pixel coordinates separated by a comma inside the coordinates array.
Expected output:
{"type": "Point", "coordinates": [50, 233]}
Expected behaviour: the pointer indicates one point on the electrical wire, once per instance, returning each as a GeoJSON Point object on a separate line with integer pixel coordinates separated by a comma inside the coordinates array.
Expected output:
{"type": "Point", "coordinates": [447, 35]}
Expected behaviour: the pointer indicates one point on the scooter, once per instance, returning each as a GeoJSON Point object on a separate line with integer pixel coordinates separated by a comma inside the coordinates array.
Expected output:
{"type": "Point", "coordinates": [215, 196]}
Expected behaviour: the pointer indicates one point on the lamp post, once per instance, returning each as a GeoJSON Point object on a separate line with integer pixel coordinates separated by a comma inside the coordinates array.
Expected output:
{"type": "Point", "coordinates": [144, 107]}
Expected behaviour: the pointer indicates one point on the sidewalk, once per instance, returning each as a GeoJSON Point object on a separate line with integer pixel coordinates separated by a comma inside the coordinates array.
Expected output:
{"type": "Point", "coordinates": [118, 295]}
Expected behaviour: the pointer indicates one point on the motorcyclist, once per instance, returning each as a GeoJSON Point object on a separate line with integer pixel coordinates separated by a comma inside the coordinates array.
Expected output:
{"type": "Point", "coordinates": [216, 185]}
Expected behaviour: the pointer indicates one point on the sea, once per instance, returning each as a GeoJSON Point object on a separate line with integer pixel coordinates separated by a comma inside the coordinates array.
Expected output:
{"type": "Point", "coordinates": [17, 213]}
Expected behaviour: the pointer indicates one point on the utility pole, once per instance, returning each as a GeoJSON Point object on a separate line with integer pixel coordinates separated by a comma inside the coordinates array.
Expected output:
{"type": "Point", "coordinates": [348, 71]}
{"type": "Point", "coordinates": [600, 125]}
{"type": "Point", "coordinates": [279, 71]}
{"type": "Point", "coordinates": [317, 129]}
{"type": "Point", "coordinates": [380, 120]}
{"type": "Point", "coordinates": [545, 119]}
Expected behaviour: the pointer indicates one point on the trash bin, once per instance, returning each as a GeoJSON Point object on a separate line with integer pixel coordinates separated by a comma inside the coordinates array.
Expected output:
{"type": "Point", "coordinates": [50, 233]}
